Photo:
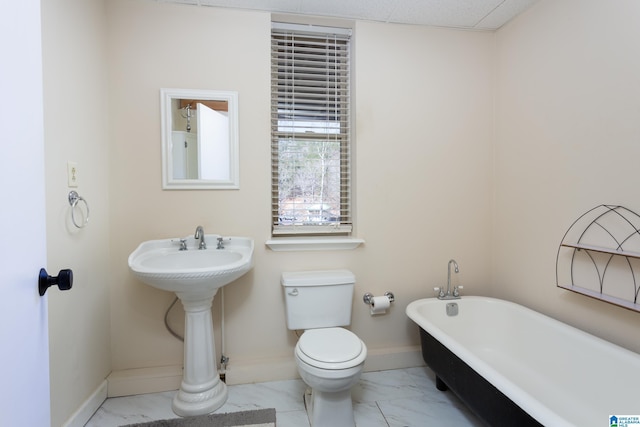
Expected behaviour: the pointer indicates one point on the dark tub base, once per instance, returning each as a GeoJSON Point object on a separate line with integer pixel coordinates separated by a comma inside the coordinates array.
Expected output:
{"type": "Point", "coordinates": [486, 401]}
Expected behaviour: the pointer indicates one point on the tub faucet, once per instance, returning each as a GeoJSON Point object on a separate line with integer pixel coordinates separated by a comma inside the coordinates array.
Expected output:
{"type": "Point", "coordinates": [200, 235]}
{"type": "Point", "coordinates": [455, 269]}
{"type": "Point", "coordinates": [456, 290]}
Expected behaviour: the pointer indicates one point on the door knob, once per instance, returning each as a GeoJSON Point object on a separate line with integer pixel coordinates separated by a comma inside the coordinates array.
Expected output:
{"type": "Point", "coordinates": [64, 280]}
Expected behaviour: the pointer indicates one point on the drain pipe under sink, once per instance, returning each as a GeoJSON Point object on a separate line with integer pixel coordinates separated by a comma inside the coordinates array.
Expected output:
{"type": "Point", "coordinates": [223, 359]}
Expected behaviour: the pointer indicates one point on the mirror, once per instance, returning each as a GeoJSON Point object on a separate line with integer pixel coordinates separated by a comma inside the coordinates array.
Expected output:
{"type": "Point", "coordinates": [199, 139]}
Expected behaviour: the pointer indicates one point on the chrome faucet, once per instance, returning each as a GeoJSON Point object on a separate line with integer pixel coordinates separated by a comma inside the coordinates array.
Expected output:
{"type": "Point", "coordinates": [200, 235]}
{"type": "Point", "coordinates": [456, 290]}
{"type": "Point", "coordinates": [456, 270]}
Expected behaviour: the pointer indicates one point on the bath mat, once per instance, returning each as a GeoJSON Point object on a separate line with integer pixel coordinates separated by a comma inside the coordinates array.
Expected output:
{"type": "Point", "coordinates": [256, 418]}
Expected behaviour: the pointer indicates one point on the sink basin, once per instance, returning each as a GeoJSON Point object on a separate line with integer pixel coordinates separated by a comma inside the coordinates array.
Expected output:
{"type": "Point", "coordinates": [195, 275]}
{"type": "Point", "coordinates": [160, 263]}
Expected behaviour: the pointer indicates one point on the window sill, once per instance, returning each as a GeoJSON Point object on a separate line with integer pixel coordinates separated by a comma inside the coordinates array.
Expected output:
{"type": "Point", "coordinates": [282, 244]}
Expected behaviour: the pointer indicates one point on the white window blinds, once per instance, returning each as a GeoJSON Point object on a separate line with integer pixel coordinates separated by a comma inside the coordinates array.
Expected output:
{"type": "Point", "coordinates": [310, 130]}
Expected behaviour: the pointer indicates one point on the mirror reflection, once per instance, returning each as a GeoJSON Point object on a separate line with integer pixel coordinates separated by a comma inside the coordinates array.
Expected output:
{"type": "Point", "coordinates": [200, 144]}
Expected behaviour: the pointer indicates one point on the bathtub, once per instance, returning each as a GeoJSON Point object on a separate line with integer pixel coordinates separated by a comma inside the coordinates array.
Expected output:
{"type": "Point", "coordinates": [514, 366]}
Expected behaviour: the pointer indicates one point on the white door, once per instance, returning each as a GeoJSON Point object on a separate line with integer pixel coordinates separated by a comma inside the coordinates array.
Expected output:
{"type": "Point", "coordinates": [213, 144]}
{"type": "Point", "coordinates": [24, 346]}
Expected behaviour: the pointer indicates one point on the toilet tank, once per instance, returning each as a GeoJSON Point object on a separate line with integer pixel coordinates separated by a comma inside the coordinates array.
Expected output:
{"type": "Point", "coordinates": [318, 299]}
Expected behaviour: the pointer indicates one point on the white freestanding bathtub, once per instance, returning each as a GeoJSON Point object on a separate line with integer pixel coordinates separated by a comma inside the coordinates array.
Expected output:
{"type": "Point", "coordinates": [514, 366]}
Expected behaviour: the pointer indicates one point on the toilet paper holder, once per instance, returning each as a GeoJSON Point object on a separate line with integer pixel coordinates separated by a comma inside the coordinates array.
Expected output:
{"type": "Point", "coordinates": [368, 297]}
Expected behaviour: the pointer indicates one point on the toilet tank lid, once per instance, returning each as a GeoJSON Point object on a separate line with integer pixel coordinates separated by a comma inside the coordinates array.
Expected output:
{"type": "Point", "coordinates": [315, 278]}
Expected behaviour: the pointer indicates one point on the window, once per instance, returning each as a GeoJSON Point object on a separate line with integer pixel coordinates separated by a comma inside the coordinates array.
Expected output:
{"type": "Point", "coordinates": [310, 130]}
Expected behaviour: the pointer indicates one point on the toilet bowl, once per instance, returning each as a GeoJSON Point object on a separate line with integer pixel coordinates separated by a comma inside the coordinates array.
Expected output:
{"type": "Point", "coordinates": [330, 361]}
{"type": "Point", "coordinates": [329, 358]}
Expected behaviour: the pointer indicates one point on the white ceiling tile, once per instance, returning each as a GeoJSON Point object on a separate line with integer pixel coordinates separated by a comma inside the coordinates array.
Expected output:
{"type": "Point", "coordinates": [504, 13]}
{"type": "Point", "coordinates": [445, 13]}
{"type": "Point", "coordinates": [289, 6]}
{"type": "Point", "coordinates": [375, 10]}
{"type": "Point", "coordinates": [195, 2]}
{"type": "Point", "coordinates": [480, 14]}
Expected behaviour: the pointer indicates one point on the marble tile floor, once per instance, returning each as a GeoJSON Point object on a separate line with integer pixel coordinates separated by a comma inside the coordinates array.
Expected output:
{"type": "Point", "coordinates": [395, 398]}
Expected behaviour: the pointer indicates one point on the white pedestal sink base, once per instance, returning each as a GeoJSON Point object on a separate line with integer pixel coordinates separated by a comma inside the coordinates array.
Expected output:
{"type": "Point", "coordinates": [195, 275]}
{"type": "Point", "coordinates": [187, 404]}
{"type": "Point", "coordinates": [201, 390]}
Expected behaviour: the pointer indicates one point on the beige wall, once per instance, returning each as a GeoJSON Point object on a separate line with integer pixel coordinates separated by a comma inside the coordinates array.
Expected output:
{"type": "Point", "coordinates": [76, 129]}
{"type": "Point", "coordinates": [423, 180]}
{"type": "Point", "coordinates": [566, 140]}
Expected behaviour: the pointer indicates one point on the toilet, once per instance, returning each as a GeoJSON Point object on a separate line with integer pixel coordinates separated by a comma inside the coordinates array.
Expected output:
{"type": "Point", "coordinates": [329, 358]}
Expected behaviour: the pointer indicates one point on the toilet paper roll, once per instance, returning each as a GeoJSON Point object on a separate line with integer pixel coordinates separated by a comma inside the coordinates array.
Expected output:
{"type": "Point", "coordinates": [379, 305]}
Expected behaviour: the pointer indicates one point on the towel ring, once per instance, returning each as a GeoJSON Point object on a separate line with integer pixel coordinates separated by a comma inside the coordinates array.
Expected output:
{"type": "Point", "coordinates": [74, 198]}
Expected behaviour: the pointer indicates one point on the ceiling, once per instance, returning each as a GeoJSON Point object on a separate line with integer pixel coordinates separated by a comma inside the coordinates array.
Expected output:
{"type": "Point", "coordinates": [466, 14]}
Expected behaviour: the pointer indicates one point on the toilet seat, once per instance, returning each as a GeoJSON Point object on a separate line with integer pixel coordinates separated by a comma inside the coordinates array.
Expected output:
{"type": "Point", "coordinates": [331, 348]}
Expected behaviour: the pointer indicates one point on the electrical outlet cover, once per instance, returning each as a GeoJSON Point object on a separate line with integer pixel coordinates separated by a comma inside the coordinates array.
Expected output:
{"type": "Point", "coordinates": [72, 174]}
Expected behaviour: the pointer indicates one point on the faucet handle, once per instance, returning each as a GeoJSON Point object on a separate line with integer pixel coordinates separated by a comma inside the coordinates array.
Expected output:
{"type": "Point", "coordinates": [182, 243]}
{"type": "Point", "coordinates": [456, 290]}
{"type": "Point", "coordinates": [439, 291]}
{"type": "Point", "coordinates": [221, 241]}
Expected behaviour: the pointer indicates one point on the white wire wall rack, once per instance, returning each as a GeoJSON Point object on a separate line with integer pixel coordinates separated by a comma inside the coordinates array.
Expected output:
{"type": "Point", "coordinates": [599, 256]}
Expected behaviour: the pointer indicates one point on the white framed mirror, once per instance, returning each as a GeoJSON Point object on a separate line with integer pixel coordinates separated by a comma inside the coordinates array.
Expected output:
{"type": "Point", "coordinates": [199, 139]}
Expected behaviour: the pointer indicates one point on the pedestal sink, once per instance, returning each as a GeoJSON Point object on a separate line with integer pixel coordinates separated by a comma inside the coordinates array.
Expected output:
{"type": "Point", "coordinates": [195, 275]}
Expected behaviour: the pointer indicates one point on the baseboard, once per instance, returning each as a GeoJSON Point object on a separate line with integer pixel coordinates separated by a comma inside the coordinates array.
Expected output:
{"type": "Point", "coordinates": [80, 417]}
{"type": "Point", "coordinates": [384, 359]}
{"type": "Point", "coordinates": [144, 380]}
{"type": "Point", "coordinates": [260, 370]}
{"type": "Point", "coordinates": [152, 380]}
